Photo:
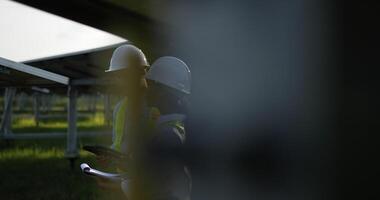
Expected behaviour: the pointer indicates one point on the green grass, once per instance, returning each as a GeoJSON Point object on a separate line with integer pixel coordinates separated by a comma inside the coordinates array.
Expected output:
{"type": "Point", "coordinates": [26, 123]}
{"type": "Point", "coordinates": [37, 169]}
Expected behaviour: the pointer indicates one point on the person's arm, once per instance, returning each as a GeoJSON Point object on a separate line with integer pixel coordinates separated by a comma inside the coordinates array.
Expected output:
{"type": "Point", "coordinates": [103, 160]}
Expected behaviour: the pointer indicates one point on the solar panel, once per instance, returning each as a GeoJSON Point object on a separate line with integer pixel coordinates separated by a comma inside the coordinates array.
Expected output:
{"type": "Point", "coordinates": [28, 35]}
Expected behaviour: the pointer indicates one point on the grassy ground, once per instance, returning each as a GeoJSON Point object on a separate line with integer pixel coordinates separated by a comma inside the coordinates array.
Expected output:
{"type": "Point", "coordinates": [26, 123]}
{"type": "Point", "coordinates": [37, 169]}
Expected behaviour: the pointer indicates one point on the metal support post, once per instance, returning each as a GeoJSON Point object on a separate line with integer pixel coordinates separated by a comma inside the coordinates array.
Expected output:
{"type": "Point", "coordinates": [6, 122]}
{"type": "Point", "coordinates": [71, 147]}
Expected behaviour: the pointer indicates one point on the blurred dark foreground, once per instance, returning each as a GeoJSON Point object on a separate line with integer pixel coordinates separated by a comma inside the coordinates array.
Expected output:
{"type": "Point", "coordinates": [280, 105]}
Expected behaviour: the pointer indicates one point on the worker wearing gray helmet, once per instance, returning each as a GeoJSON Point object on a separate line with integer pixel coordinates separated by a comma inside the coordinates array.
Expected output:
{"type": "Point", "coordinates": [163, 174]}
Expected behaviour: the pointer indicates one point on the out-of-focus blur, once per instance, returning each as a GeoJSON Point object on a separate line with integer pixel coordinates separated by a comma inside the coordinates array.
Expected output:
{"type": "Point", "coordinates": [279, 102]}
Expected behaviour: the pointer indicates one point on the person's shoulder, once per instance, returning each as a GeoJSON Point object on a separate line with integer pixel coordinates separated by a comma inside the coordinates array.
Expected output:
{"type": "Point", "coordinates": [171, 118]}
{"type": "Point", "coordinates": [171, 128]}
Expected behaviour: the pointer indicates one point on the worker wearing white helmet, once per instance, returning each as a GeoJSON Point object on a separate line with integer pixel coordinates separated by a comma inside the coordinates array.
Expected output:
{"type": "Point", "coordinates": [128, 64]}
{"type": "Point", "coordinates": [127, 68]}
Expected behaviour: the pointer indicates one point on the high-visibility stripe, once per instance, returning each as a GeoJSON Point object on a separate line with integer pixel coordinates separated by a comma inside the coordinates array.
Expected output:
{"type": "Point", "coordinates": [119, 125]}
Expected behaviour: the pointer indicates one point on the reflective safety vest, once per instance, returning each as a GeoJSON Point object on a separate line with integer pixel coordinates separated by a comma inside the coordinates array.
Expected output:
{"type": "Point", "coordinates": [153, 121]}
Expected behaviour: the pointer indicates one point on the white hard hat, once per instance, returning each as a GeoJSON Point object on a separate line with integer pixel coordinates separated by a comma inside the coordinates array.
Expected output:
{"type": "Point", "coordinates": [126, 56]}
{"type": "Point", "coordinates": [172, 72]}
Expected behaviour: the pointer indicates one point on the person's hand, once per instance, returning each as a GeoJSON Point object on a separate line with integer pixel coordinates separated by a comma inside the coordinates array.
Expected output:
{"type": "Point", "coordinates": [102, 183]}
{"type": "Point", "coordinates": [103, 161]}
{"type": "Point", "coordinates": [107, 184]}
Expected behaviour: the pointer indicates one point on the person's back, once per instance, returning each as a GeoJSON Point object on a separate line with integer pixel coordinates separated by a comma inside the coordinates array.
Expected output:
{"type": "Point", "coordinates": [161, 172]}
{"type": "Point", "coordinates": [169, 86]}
